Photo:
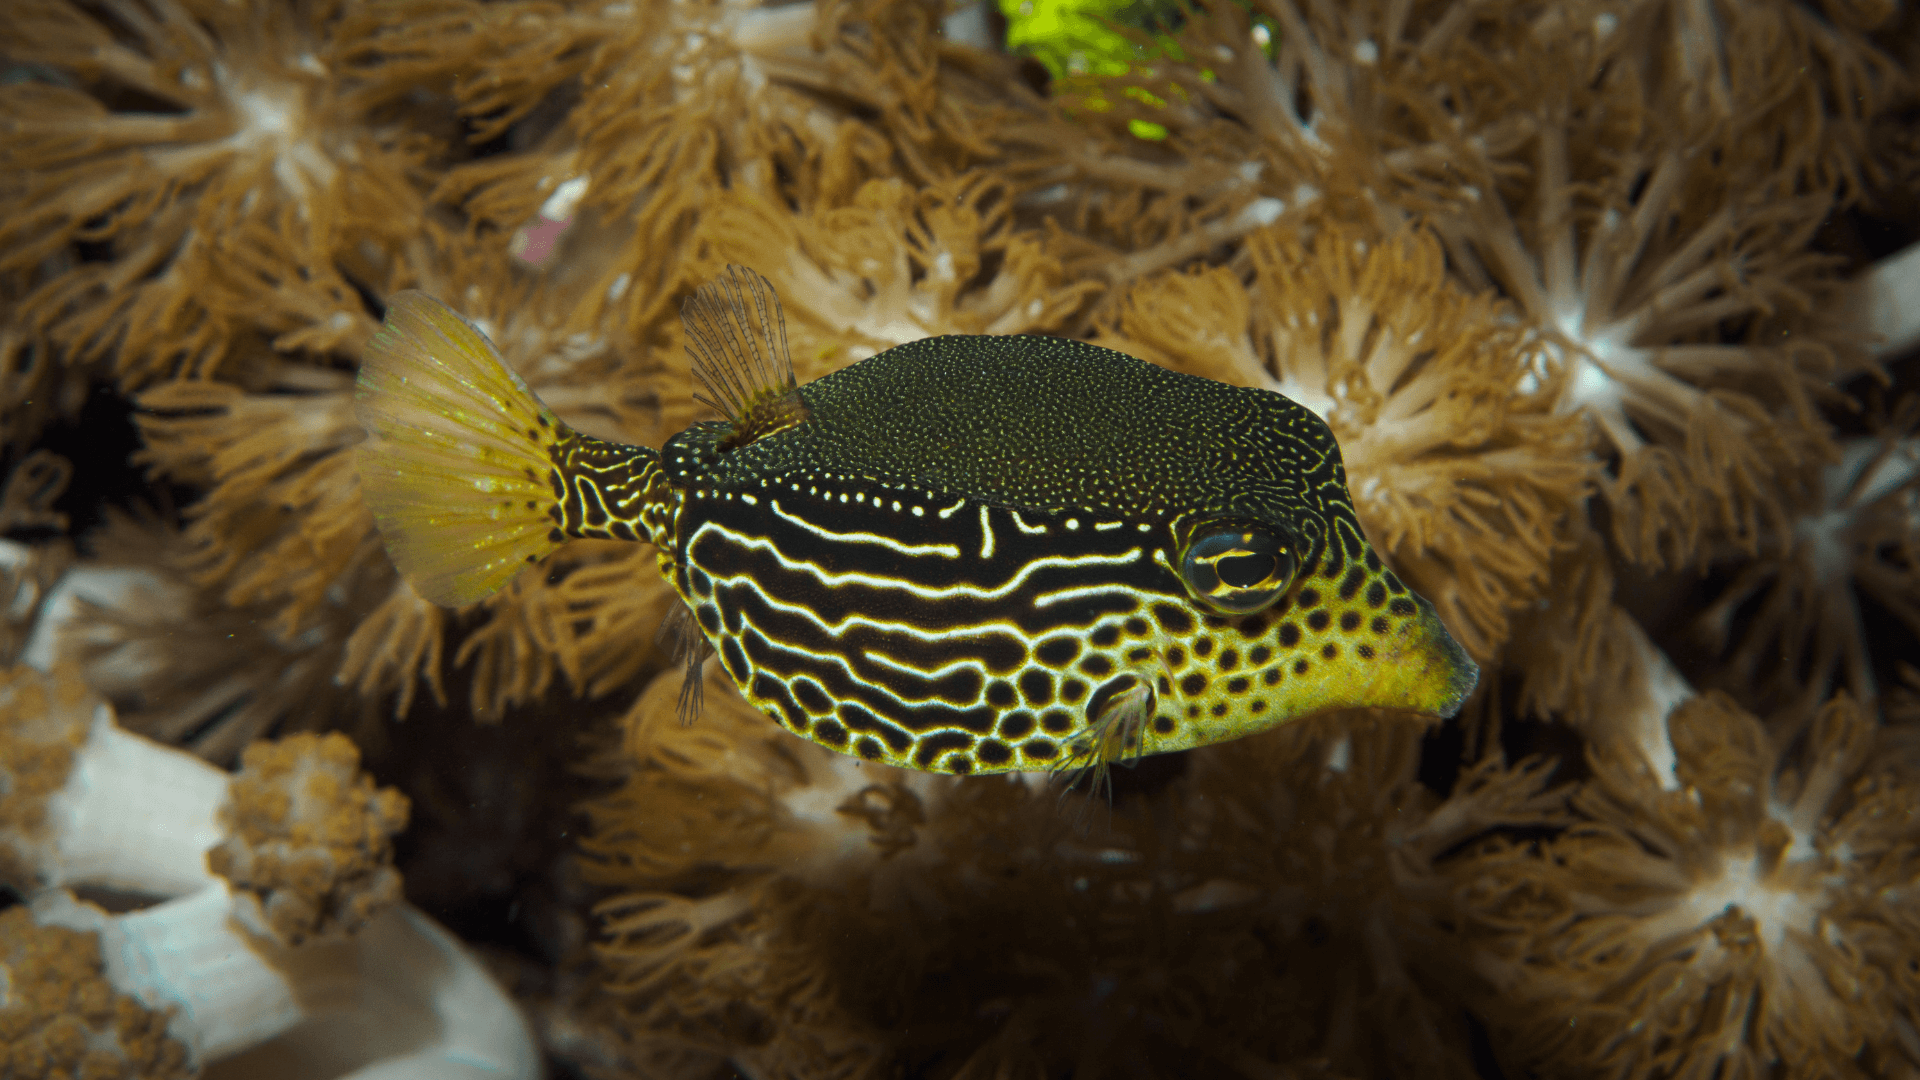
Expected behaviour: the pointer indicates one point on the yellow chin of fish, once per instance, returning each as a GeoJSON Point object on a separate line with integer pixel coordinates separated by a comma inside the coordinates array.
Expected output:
{"type": "Point", "coordinates": [1409, 663]}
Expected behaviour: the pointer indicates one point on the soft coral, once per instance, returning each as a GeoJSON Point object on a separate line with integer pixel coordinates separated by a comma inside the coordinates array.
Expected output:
{"type": "Point", "coordinates": [199, 145]}
{"type": "Point", "coordinates": [298, 918]}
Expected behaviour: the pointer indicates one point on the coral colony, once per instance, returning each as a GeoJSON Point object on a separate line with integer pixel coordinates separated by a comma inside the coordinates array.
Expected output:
{"type": "Point", "coordinates": [1603, 299]}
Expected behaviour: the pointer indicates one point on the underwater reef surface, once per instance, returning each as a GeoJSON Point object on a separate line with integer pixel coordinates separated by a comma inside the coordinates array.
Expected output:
{"type": "Point", "coordinates": [1611, 305]}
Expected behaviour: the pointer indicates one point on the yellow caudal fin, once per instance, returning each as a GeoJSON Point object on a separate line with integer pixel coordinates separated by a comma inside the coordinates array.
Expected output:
{"type": "Point", "coordinates": [457, 465]}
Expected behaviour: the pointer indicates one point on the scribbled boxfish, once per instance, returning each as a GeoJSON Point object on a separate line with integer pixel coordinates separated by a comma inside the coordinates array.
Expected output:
{"type": "Point", "coordinates": [965, 554]}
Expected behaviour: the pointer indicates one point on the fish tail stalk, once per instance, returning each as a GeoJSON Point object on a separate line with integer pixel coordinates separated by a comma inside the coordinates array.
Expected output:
{"type": "Point", "coordinates": [611, 491]}
{"type": "Point", "coordinates": [469, 477]}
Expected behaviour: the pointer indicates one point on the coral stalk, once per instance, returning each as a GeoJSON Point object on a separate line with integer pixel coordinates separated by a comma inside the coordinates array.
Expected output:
{"type": "Point", "coordinates": [1890, 295]}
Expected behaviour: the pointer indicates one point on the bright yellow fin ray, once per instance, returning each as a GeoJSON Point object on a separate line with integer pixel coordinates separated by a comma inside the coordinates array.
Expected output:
{"type": "Point", "coordinates": [457, 467]}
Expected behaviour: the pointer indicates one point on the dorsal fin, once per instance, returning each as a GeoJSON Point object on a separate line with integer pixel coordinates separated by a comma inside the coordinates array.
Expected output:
{"type": "Point", "coordinates": [737, 337]}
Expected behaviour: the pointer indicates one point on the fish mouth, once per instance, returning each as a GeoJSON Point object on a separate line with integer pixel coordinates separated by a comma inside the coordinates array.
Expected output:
{"type": "Point", "coordinates": [1430, 672]}
{"type": "Point", "coordinates": [1463, 675]}
{"type": "Point", "coordinates": [1419, 667]}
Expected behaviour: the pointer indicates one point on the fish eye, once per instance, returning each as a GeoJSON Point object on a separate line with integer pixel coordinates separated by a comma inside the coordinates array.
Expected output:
{"type": "Point", "coordinates": [1236, 569]}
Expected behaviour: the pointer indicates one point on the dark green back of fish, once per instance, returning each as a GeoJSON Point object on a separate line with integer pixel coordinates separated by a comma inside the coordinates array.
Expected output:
{"type": "Point", "coordinates": [1053, 424]}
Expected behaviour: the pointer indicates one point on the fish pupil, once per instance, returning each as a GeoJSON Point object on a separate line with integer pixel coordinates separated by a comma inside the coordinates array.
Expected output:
{"type": "Point", "coordinates": [1245, 571]}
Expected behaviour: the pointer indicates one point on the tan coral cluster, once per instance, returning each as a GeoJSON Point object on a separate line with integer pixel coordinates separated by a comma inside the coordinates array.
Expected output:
{"type": "Point", "coordinates": [1757, 918]}
{"type": "Point", "coordinates": [48, 724]}
{"type": "Point", "coordinates": [310, 837]}
{"type": "Point", "coordinates": [62, 1016]}
{"type": "Point", "coordinates": [1568, 280]}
